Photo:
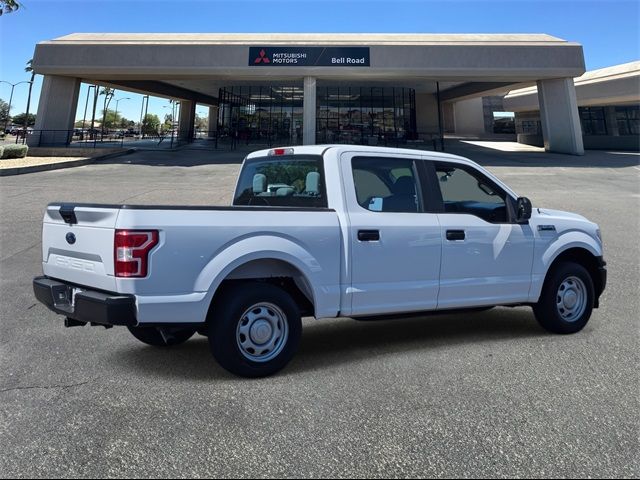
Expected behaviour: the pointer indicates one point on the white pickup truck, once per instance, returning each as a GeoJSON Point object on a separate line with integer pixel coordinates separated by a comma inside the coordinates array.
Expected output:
{"type": "Point", "coordinates": [322, 231]}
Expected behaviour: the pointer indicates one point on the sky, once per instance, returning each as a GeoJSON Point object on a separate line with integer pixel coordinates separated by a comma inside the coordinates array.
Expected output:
{"type": "Point", "coordinates": [607, 29]}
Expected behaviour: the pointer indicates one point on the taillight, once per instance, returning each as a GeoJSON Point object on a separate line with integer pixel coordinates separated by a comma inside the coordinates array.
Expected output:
{"type": "Point", "coordinates": [131, 252]}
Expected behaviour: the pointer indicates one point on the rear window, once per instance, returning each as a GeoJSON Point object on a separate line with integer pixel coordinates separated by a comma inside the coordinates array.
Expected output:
{"type": "Point", "coordinates": [284, 181]}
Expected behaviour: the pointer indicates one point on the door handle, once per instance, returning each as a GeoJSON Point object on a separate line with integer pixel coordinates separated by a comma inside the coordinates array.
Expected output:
{"type": "Point", "coordinates": [455, 235]}
{"type": "Point", "coordinates": [368, 235]}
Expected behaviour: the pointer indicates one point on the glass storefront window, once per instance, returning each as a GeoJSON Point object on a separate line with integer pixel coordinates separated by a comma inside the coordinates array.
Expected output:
{"type": "Point", "coordinates": [529, 127]}
{"type": "Point", "coordinates": [365, 115]}
{"type": "Point", "coordinates": [592, 120]}
{"type": "Point", "coordinates": [261, 114]}
{"type": "Point", "coordinates": [344, 114]}
{"type": "Point", "coordinates": [628, 118]}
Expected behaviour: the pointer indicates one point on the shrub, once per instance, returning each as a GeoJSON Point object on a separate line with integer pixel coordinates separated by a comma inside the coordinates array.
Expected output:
{"type": "Point", "coordinates": [14, 151]}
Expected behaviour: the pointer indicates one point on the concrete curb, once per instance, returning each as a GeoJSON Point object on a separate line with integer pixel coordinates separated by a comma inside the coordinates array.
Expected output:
{"type": "Point", "coordinates": [60, 165]}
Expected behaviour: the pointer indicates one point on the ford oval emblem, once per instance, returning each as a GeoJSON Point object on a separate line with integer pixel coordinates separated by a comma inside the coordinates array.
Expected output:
{"type": "Point", "coordinates": [71, 238]}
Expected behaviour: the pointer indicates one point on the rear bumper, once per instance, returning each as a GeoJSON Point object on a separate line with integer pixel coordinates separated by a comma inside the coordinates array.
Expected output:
{"type": "Point", "coordinates": [87, 306]}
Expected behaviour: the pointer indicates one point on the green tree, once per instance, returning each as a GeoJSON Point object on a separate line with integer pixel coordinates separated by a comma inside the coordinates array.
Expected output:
{"type": "Point", "coordinates": [24, 119]}
{"type": "Point", "coordinates": [202, 123]}
{"type": "Point", "coordinates": [108, 96]}
{"type": "Point", "coordinates": [111, 120]}
{"type": "Point", "coordinates": [4, 112]}
{"type": "Point", "coordinates": [8, 6]}
{"type": "Point", "coordinates": [150, 124]}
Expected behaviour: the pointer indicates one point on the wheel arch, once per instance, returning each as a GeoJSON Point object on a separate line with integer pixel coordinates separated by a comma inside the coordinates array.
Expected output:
{"type": "Point", "coordinates": [586, 257]}
{"type": "Point", "coordinates": [276, 260]}
{"type": "Point", "coordinates": [275, 272]}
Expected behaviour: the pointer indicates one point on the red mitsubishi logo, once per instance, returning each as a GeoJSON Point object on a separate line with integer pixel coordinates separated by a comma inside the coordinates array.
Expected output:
{"type": "Point", "coordinates": [262, 58]}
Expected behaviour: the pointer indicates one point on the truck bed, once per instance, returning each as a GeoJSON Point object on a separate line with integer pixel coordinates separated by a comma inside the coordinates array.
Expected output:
{"type": "Point", "coordinates": [198, 248]}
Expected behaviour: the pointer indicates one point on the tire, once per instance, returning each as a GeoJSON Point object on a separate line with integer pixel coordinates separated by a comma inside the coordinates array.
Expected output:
{"type": "Point", "coordinates": [254, 329]}
{"type": "Point", "coordinates": [162, 336]}
{"type": "Point", "coordinates": [567, 299]}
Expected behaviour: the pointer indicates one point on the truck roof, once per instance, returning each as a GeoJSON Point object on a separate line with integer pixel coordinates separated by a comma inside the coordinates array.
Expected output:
{"type": "Point", "coordinates": [322, 149]}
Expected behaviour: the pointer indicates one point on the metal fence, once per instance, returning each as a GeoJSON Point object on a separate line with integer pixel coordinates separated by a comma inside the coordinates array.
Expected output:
{"type": "Point", "coordinates": [96, 139]}
{"type": "Point", "coordinates": [225, 140]}
{"type": "Point", "coordinates": [220, 140]}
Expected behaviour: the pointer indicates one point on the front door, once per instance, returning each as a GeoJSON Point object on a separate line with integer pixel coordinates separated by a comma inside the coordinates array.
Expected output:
{"type": "Point", "coordinates": [395, 244]}
{"type": "Point", "coordinates": [486, 257]}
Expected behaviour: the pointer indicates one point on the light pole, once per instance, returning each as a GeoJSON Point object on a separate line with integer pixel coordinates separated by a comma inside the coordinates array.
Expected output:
{"type": "Point", "coordinates": [124, 98]}
{"type": "Point", "coordinates": [13, 85]}
{"type": "Point", "coordinates": [116, 118]}
{"type": "Point", "coordinates": [144, 99]}
{"type": "Point", "coordinates": [173, 120]}
{"type": "Point", "coordinates": [172, 106]}
{"type": "Point", "coordinates": [86, 104]}
{"type": "Point", "coordinates": [93, 115]}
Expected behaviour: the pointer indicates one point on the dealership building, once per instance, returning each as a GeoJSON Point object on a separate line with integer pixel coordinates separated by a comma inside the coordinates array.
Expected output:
{"type": "Point", "coordinates": [318, 88]}
{"type": "Point", "coordinates": [608, 107]}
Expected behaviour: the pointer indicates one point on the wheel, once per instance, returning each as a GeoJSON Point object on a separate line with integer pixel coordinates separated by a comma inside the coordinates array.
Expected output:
{"type": "Point", "coordinates": [254, 329]}
{"type": "Point", "coordinates": [567, 298]}
{"type": "Point", "coordinates": [162, 336]}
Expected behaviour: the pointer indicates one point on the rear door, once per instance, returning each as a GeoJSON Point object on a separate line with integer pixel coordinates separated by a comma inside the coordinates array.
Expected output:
{"type": "Point", "coordinates": [77, 244]}
{"type": "Point", "coordinates": [395, 243]}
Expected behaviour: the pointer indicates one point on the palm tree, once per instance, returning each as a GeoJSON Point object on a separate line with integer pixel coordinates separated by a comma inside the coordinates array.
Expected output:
{"type": "Point", "coordinates": [108, 95]}
{"type": "Point", "coordinates": [29, 69]}
{"type": "Point", "coordinates": [8, 6]}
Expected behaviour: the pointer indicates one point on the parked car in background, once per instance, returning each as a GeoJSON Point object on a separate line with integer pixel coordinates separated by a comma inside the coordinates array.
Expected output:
{"type": "Point", "coordinates": [21, 133]}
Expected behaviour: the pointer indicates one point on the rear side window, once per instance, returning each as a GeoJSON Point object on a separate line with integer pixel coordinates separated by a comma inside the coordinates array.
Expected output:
{"type": "Point", "coordinates": [386, 184]}
{"type": "Point", "coordinates": [286, 181]}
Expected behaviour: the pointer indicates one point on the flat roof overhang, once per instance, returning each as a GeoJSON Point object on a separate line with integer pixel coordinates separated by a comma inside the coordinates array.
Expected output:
{"type": "Point", "coordinates": [198, 64]}
{"type": "Point", "coordinates": [616, 85]}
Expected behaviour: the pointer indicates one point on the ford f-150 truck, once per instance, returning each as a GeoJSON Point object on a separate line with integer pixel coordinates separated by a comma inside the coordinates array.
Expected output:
{"type": "Point", "coordinates": [322, 231]}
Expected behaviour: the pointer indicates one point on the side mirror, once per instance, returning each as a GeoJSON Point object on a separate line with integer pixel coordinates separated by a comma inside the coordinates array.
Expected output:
{"type": "Point", "coordinates": [523, 210]}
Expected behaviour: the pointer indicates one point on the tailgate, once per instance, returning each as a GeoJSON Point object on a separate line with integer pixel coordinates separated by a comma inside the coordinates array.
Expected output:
{"type": "Point", "coordinates": [77, 244]}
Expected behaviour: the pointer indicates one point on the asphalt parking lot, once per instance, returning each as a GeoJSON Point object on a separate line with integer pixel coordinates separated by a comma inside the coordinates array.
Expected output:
{"type": "Point", "coordinates": [486, 394]}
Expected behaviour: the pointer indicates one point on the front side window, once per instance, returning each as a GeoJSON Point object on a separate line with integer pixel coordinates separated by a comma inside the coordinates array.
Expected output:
{"type": "Point", "coordinates": [386, 184]}
{"type": "Point", "coordinates": [467, 191]}
{"type": "Point", "coordinates": [288, 181]}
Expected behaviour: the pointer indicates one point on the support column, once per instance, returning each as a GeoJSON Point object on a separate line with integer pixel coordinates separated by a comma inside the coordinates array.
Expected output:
{"type": "Point", "coordinates": [213, 121]}
{"type": "Point", "coordinates": [187, 120]}
{"type": "Point", "coordinates": [309, 112]}
{"type": "Point", "coordinates": [559, 116]}
{"type": "Point", "coordinates": [56, 111]}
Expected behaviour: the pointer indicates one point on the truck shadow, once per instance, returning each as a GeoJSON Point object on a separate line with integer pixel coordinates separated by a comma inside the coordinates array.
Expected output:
{"type": "Point", "coordinates": [330, 344]}
{"type": "Point", "coordinates": [326, 346]}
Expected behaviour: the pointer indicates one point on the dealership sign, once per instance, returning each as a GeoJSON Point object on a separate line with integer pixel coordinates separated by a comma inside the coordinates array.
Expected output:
{"type": "Point", "coordinates": [309, 56]}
